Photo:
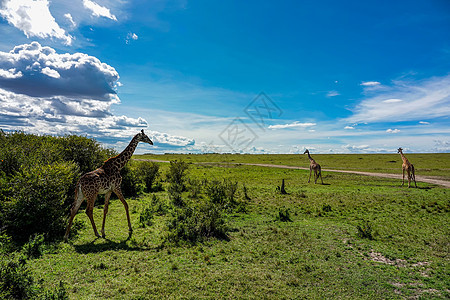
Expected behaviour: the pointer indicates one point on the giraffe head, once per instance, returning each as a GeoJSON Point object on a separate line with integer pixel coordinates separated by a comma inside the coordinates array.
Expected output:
{"type": "Point", "coordinates": [142, 137]}
{"type": "Point", "coordinates": [399, 150]}
{"type": "Point", "coordinates": [306, 151]}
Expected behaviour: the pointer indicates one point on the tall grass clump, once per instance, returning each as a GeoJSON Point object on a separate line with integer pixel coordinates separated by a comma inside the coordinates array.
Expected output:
{"type": "Point", "coordinates": [365, 230]}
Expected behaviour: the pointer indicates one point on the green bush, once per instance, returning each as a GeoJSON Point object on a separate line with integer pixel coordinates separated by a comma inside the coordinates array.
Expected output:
{"type": "Point", "coordinates": [16, 281]}
{"type": "Point", "coordinates": [146, 217]}
{"type": "Point", "coordinates": [87, 153]}
{"type": "Point", "coordinates": [132, 184]}
{"type": "Point", "coordinates": [148, 172]}
{"type": "Point", "coordinates": [197, 222]}
{"type": "Point", "coordinates": [33, 249]}
{"type": "Point", "coordinates": [177, 173]}
{"type": "Point", "coordinates": [223, 193]}
{"type": "Point", "coordinates": [37, 203]}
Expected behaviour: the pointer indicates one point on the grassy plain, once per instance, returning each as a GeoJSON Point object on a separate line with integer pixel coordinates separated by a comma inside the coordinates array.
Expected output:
{"type": "Point", "coordinates": [427, 164]}
{"type": "Point", "coordinates": [401, 249]}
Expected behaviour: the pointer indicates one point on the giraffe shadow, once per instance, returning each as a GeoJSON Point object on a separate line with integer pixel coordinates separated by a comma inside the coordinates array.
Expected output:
{"type": "Point", "coordinates": [93, 247]}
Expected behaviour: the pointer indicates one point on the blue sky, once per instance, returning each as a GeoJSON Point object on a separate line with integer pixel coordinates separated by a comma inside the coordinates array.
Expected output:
{"type": "Point", "coordinates": [230, 76]}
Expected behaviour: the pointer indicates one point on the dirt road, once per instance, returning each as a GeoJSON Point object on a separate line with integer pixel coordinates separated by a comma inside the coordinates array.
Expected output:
{"type": "Point", "coordinates": [420, 178]}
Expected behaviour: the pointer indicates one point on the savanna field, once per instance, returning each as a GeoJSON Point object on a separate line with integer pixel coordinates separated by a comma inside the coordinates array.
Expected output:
{"type": "Point", "coordinates": [210, 226]}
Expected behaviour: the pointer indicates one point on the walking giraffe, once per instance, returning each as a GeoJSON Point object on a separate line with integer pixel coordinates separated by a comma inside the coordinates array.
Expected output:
{"type": "Point", "coordinates": [409, 168]}
{"type": "Point", "coordinates": [314, 166]}
{"type": "Point", "coordinates": [104, 180]}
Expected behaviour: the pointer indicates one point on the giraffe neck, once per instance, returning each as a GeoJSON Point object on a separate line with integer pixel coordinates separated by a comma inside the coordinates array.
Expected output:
{"type": "Point", "coordinates": [310, 158]}
{"type": "Point", "coordinates": [120, 160]}
{"type": "Point", "coordinates": [405, 160]}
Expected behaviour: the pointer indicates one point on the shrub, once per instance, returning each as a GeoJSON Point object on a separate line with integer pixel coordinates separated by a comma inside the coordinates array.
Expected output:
{"type": "Point", "coordinates": [223, 193]}
{"type": "Point", "coordinates": [38, 201]}
{"type": "Point", "coordinates": [87, 153]}
{"type": "Point", "coordinates": [148, 172]}
{"type": "Point", "coordinates": [158, 206]}
{"type": "Point", "coordinates": [146, 217]}
{"type": "Point", "coordinates": [132, 184]}
{"type": "Point", "coordinates": [33, 249]}
{"type": "Point", "coordinates": [215, 190]}
{"type": "Point", "coordinates": [16, 281]}
{"type": "Point", "coordinates": [177, 173]}
{"type": "Point", "coordinates": [175, 194]}
{"type": "Point", "coordinates": [196, 223]}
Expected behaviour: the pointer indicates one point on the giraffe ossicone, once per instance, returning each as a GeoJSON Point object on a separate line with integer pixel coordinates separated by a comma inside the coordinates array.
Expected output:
{"type": "Point", "coordinates": [104, 180]}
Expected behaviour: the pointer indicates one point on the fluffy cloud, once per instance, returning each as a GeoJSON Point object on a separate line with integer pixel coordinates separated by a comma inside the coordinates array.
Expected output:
{"type": "Point", "coordinates": [98, 10]}
{"type": "Point", "coordinates": [392, 130]}
{"type": "Point", "coordinates": [38, 71]}
{"type": "Point", "coordinates": [406, 101]}
{"type": "Point", "coordinates": [33, 17]}
{"type": "Point", "coordinates": [291, 125]}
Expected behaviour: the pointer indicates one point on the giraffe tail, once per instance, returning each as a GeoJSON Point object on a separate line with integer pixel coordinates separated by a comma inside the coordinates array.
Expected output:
{"type": "Point", "coordinates": [78, 196]}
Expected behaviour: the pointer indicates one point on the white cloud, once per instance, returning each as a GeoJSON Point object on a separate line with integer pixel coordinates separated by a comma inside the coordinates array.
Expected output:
{"type": "Point", "coordinates": [333, 93]}
{"type": "Point", "coordinates": [392, 130]}
{"type": "Point", "coordinates": [370, 83]}
{"type": "Point", "coordinates": [425, 99]}
{"type": "Point", "coordinates": [349, 127]}
{"type": "Point", "coordinates": [10, 74]}
{"type": "Point", "coordinates": [291, 125]}
{"type": "Point", "coordinates": [131, 36]}
{"type": "Point", "coordinates": [98, 10]}
{"type": "Point", "coordinates": [50, 72]}
{"type": "Point", "coordinates": [34, 18]}
{"type": "Point", "coordinates": [424, 123]}
{"type": "Point", "coordinates": [70, 19]}
{"type": "Point", "coordinates": [392, 100]}
{"type": "Point", "coordinates": [72, 75]}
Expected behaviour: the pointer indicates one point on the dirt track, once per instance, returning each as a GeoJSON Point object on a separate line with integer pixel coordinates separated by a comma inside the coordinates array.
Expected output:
{"type": "Point", "coordinates": [420, 178]}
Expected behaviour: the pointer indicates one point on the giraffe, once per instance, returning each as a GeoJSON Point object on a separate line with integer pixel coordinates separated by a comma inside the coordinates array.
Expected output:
{"type": "Point", "coordinates": [409, 168]}
{"type": "Point", "coordinates": [104, 180]}
{"type": "Point", "coordinates": [314, 166]}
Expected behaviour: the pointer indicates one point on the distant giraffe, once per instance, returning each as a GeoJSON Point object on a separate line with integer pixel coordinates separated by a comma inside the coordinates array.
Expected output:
{"type": "Point", "coordinates": [104, 180]}
{"type": "Point", "coordinates": [314, 166]}
{"type": "Point", "coordinates": [409, 168]}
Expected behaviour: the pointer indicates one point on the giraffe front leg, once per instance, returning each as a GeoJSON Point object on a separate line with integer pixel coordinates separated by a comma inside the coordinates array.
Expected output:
{"type": "Point", "coordinates": [403, 177]}
{"type": "Point", "coordinates": [118, 192]}
{"type": "Point", "coordinates": [309, 178]}
{"type": "Point", "coordinates": [105, 212]}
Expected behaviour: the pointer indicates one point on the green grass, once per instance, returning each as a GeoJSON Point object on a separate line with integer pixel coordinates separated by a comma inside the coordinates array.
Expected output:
{"type": "Point", "coordinates": [318, 254]}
